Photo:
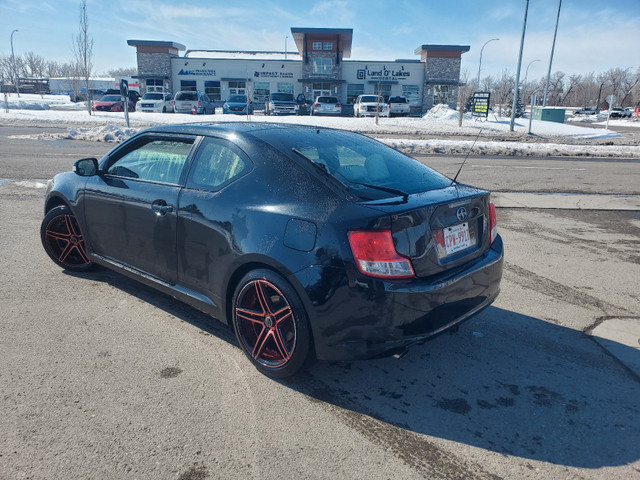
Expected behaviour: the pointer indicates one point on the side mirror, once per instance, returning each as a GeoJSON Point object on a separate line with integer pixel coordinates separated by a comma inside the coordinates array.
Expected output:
{"type": "Point", "coordinates": [86, 167]}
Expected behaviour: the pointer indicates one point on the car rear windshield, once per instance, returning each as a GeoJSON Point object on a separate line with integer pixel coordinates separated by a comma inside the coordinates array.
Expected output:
{"type": "Point", "coordinates": [355, 160]}
{"type": "Point", "coordinates": [282, 97]}
{"type": "Point", "coordinates": [397, 100]}
{"type": "Point", "coordinates": [237, 99]}
{"type": "Point", "coordinates": [187, 96]}
{"type": "Point", "coordinates": [327, 100]}
{"type": "Point", "coordinates": [152, 96]}
{"type": "Point", "coordinates": [111, 98]}
{"type": "Point", "coordinates": [370, 99]}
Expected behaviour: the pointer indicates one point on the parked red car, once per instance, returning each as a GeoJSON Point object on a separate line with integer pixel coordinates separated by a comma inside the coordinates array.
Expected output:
{"type": "Point", "coordinates": [112, 103]}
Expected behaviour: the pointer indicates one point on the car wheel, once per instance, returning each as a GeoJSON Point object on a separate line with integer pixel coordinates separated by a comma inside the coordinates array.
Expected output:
{"type": "Point", "coordinates": [164, 109]}
{"type": "Point", "coordinates": [63, 241]}
{"type": "Point", "coordinates": [271, 324]}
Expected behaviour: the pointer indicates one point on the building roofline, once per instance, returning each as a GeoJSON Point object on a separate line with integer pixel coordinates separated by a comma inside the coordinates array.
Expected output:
{"type": "Point", "coordinates": [345, 34]}
{"type": "Point", "coordinates": [449, 48]}
{"type": "Point", "coordinates": [155, 43]}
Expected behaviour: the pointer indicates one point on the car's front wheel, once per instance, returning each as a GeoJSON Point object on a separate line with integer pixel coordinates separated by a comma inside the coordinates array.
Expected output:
{"type": "Point", "coordinates": [271, 324]}
{"type": "Point", "coordinates": [63, 241]}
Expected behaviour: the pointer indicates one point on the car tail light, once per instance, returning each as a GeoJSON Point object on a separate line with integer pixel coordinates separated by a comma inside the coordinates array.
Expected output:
{"type": "Point", "coordinates": [493, 221]}
{"type": "Point", "coordinates": [174, 103]}
{"type": "Point", "coordinates": [316, 105]}
{"type": "Point", "coordinates": [199, 104]}
{"type": "Point", "coordinates": [338, 105]}
{"type": "Point", "coordinates": [376, 256]}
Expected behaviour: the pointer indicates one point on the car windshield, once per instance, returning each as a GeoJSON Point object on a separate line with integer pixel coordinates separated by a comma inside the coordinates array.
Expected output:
{"type": "Point", "coordinates": [397, 100]}
{"type": "Point", "coordinates": [237, 99]}
{"type": "Point", "coordinates": [110, 98]}
{"type": "Point", "coordinates": [152, 96]}
{"type": "Point", "coordinates": [282, 97]}
{"type": "Point", "coordinates": [370, 99]}
{"type": "Point", "coordinates": [327, 100]}
{"type": "Point", "coordinates": [188, 96]}
{"type": "Point", "coordinates": [358, 161]}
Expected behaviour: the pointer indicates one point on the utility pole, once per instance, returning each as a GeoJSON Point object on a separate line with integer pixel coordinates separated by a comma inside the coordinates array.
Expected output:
{"type": "Point", "coordinates": [13, 61]}
{"type": "Point", "coordinates": [553, 46]}
{"type": "Point", "coordinates": [285, 46]}
{"type": "Point", "coordinates": [516, 91]}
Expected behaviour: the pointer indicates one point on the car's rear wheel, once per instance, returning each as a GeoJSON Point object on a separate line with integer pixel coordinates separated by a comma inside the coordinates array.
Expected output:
{"type": "Point", "coordinates": [63, 241]}
{"type": "Point", "coordinates": [271, 324]}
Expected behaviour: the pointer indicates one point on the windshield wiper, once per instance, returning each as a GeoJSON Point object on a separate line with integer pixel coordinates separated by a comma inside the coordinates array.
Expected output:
{"type": "Point", "coordinates": [399, 193]}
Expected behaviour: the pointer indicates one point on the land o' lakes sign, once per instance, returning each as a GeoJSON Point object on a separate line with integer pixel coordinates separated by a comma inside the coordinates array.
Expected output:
{"type": "Point", "coordinates": [383, 74]}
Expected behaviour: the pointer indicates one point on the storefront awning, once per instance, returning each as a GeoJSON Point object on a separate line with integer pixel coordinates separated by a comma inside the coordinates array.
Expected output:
{"type": "Point", "coordinates": [321, 80]}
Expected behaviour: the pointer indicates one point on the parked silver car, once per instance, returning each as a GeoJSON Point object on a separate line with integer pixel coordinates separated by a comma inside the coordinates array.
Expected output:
{"type": "Point", "coordinates": [187, 101]}
{"type": "Point", "coordinates": [326, 106]}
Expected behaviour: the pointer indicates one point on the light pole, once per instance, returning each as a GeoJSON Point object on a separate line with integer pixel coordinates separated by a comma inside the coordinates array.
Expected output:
{"type": "Point", "coordinates": [480, 63]}
{"type": "Point", "coordinates": [553, 46]}
{"type": "Point", "coordinates": [285, 46]}
{"type": "Point", "coordinates": [13, 61]}
{"type": "Point", "coordinates": [524, 84]}
{"type": "Point", "coordinates": [598, 101]}
{"type": "Point", "coordinates": [517, 85]}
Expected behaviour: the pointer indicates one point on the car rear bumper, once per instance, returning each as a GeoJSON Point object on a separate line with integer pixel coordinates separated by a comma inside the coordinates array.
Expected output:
{"type": "Point", "coordinates": [356, 317]}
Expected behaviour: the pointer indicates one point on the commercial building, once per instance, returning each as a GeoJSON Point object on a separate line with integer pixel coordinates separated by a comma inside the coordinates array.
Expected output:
{"type": "Point", "coordinates": [320, 65]}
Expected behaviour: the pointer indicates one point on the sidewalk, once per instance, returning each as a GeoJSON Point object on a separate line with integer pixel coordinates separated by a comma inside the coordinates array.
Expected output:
{"type": "Point", "coordinates": [566, 201]}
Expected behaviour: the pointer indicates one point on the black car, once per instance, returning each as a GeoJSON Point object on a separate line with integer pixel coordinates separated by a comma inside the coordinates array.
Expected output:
{"type": "Point", "coordinates": [309, 242]}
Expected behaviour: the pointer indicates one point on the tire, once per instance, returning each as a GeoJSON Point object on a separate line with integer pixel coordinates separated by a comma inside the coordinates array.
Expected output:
{"type": "Point", "coordinates": [271, 324]}
{"type": "Point", "coordinates": [164, 109]}
{"type": "Point", "coordinates": [63, 241]}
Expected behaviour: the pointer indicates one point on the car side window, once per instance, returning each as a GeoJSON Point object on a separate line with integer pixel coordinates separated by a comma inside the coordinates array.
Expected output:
{"type": "Point", "coordinates": [157, 160]}
{"type": "Point", "coordinates": [217, 163]}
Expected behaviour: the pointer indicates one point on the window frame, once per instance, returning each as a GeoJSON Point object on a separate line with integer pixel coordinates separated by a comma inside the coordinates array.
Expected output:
{"type": "Point", "coordinates": [327, 45]}
{"type": "Point", "coordinates": [191, 185]}
{"type": "Point", "coordinates": [319, 66]}
{"type": "Point", "coordinates": [316, 45]}
{"type": "Point", "coordinates": [139, 142]}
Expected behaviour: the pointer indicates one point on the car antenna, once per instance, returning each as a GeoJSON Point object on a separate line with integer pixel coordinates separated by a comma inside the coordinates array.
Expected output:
{"type": "Point", "coordinates": [465, 158]}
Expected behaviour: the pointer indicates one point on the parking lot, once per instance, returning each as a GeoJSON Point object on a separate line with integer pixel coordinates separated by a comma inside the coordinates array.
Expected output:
{"type": "Point", "coordinates": [102, 377]}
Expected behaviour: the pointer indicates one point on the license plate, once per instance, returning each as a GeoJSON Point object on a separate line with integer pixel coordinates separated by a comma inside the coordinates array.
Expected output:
{"type": "Point", "coordinates": [456, 238]}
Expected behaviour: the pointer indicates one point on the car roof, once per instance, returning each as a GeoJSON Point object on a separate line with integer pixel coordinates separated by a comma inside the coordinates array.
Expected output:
{"type": "Point", "coordinates": [217, 128]}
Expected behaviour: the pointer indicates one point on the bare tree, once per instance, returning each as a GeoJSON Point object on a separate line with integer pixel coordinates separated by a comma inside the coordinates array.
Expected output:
{"type": "Point", "coordinates": [34, 65]}
{"type": "Point", "coordinates": [464, 91]}
{"type": "Point", "coordinates": [83, 50]}
{"type": "Point", "coordinates": [122, 72]}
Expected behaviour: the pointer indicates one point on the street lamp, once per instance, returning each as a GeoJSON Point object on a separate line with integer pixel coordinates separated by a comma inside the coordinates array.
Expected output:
{"type": "Point", "coordinates": [526, 72]}
{"type": "Point", "coordinates": [285, 46]}
{"type": "Point", "coordinates": [13, 61]}
{"type": "Point", "coordinates": [480, 63]}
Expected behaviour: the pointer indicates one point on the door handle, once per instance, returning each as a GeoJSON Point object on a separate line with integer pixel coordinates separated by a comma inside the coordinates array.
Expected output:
{"type": "Point", "coordinates": [161, 208]}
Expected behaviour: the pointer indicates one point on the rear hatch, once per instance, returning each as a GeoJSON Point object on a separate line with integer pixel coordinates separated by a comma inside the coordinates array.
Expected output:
{"type": "Point", "coordinates": [441, 229]}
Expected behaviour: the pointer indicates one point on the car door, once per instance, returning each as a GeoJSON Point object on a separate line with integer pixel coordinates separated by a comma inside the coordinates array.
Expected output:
{"type": "Point", "coordinates": [131, 208]}
{"type": "Point", "coordinates": [210, 225]}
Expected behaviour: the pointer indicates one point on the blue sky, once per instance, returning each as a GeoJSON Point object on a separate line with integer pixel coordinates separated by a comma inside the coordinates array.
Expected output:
{"type": "Point", "coordinates": [594, 35]}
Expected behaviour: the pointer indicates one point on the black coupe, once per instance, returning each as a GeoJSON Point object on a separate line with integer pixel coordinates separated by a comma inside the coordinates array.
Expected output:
{"type": "Point", "coordinates": [309, 242]}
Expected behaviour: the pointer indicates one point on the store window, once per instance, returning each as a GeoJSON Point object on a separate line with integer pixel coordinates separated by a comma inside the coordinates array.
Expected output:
{"type": "Point", "coordinates": [411, 93]}
{"type": "Point", "coordinates": [322, 66]}
{"type": "Point", "coordinates": [188, 85]}
{"type": "Point", "coordinates": [237, 88]}
{"type": "Point", "coordinates": [440, 94]}
{"type": "Point", "coordinates": [261, 91]}
{"type": "Point", "coordinates": [320, 90]}
{"type": "Point", "coordinates": [212, 90]}
{"type": "Point", "coordinates": [327, 46]}
{"type": "Point", "coordinates": [155, 85]}
{"type": "Point", "coordinates": [285, 87]}
{"type": "Point", "coordinates": [353, 90]}
{"type": "Point", "coordinates": [317, 45]}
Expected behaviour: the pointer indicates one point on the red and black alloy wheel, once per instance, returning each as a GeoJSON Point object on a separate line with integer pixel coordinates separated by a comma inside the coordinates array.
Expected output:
{"type": "Point", "coordinates": [63, 240]}
{"type": "Point", "coordinates": [270, 323]}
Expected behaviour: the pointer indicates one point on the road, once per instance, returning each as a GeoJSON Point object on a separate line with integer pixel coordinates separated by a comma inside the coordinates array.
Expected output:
{"type": "Point", "coordinates": [41, 159]}
{"type": "Point", "coordinates": [102, 377]}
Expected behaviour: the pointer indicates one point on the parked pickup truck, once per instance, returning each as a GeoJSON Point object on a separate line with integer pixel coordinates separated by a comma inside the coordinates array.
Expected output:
{"type": "Point", "coordinates": [399, 106]}
{"type": "Point", "coordinates": [281, 104]}
{"type": "Point", "coordinates": [370, 106]}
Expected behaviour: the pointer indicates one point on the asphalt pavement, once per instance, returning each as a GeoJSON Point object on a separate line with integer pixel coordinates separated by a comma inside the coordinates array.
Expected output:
{"type": "Point", "coordinates": [102, 377]}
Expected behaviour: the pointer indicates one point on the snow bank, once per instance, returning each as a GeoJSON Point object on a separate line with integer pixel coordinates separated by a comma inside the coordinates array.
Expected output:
{"type": "Point", "coordinates": [108, 133]}
{"type": "Point", "coordinates": [31, 101]}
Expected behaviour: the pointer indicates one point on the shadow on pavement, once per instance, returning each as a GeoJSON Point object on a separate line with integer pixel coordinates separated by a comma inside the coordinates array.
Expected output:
{"type": "Point", "coordinates": [506, 383]}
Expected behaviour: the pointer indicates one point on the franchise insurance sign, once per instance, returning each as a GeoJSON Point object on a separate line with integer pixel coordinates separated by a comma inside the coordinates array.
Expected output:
{"type": "Point", "coordinates": [481, 104]}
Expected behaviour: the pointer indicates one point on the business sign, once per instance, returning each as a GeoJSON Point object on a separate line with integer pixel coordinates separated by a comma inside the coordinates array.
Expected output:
{"type": "Point", "coordinates": [383, 74]}
{"type": "Point", "coordinates": [273, 74]}
{"type": "Point", "coordinates": [480, 104]}
{"type": "Point", "coordinates": [199, 72]}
